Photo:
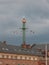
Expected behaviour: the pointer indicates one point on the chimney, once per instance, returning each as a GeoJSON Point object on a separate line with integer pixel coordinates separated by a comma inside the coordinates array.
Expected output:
{"type": "Point", "coordinates": [27, 46]}
{"type": "Point", "coordinates": [23, 45]}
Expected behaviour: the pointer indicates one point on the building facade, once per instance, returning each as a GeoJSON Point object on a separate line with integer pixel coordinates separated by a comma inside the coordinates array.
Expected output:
{"type": "Point", "coordinates": [22, 55]}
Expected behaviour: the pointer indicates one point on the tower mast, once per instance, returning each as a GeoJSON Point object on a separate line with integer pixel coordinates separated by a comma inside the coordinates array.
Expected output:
{"type": "Point", "coordinates": [23, 29]}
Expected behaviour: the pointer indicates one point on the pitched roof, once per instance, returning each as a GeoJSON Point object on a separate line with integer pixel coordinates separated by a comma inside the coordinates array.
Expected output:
{"type": "Point", "coordinates": [5, 48]}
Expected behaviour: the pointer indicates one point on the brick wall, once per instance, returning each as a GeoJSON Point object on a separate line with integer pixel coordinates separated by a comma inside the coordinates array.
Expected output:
{"type": "Point", "coordinates": [17, 62]}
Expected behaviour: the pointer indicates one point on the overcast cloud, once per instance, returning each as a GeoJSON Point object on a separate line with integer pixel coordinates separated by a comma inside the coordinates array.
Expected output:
{"type": "Point", "coordinates": [36, 13]}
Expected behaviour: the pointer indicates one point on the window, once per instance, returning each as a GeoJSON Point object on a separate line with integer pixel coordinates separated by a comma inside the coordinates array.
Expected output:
{"type": "Point", "coordinates": [32, 58]}
{"type": "Point", "coordinates": [29, 58]}
{"type": "Point", "coordinates": [5, 56]}
{"type": "Point", "coordinates": [7, 49]}
{"type": "Point", "coordinates": [15, 57]}
{"type": "Point", "coordinates": [0, 56]}
{"type": "Point", "coordinates": [25, 58]}
{"type": "Point", "coordinates": [9, 57]}
{"type": "Point", "coordinates": [19, 50]}
{"type": "Point", "coordinates": [35, 58]}
{"type": "Point", "coordinates": [20, 57]}
{"type": "Point", "coordinates": [3, 49]}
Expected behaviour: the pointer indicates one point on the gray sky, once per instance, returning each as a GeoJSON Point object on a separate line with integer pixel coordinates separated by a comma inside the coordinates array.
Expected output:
{"type": "Point", "coordinates": [37, 15]}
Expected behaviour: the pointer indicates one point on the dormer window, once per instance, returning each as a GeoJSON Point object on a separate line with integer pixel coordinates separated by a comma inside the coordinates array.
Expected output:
{"type": "Point", "coordinates": [7, 49]}
{"type": "Point", "coordinates": [3, 49]}
{"type": "Point", "coordinates": [19, 50]}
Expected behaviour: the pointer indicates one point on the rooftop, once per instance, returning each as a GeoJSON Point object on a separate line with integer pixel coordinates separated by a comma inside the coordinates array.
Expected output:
{"type": "Point", "coordinates": [35, 49]}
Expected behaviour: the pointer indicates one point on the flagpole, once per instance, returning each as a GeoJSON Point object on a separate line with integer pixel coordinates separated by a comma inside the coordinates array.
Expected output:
{"type": "Point", "coordinates": [46, 53]}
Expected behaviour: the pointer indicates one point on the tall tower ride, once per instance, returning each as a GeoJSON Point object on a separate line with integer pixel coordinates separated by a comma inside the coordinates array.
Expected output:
{"type": "Point", "coordinates": [24, 29]}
